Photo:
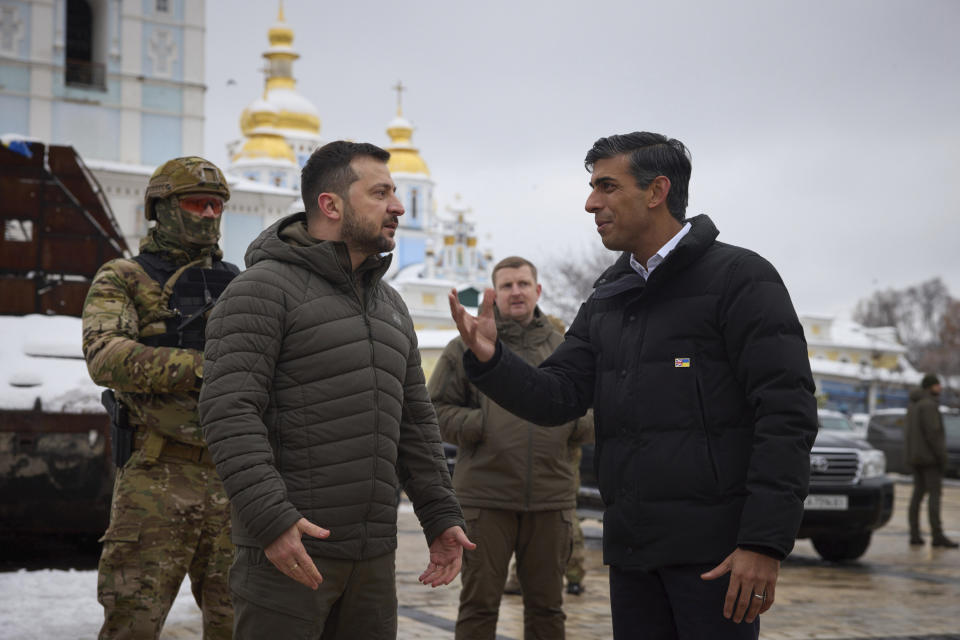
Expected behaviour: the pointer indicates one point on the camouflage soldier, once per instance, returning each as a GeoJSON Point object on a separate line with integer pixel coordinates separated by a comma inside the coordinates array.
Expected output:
{"type": "Point", "coordinates": [143, 324]}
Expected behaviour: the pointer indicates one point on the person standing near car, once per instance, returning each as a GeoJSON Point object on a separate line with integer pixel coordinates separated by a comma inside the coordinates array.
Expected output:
{"type": "Point", "coordinates": [143, 338]}
{"type": "Point", "coordinates": [926, 453]}
{"type": "Point", "coordinates": [516, 482]}
{"type": "Point", "coordinates": [691, 354]}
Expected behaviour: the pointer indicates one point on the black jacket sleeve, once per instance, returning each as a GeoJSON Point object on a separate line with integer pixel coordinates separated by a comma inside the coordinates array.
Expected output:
{"type": "Point", "coordinates": [766, 347]}
{"type": "Point", "coordinates": [558, 391]}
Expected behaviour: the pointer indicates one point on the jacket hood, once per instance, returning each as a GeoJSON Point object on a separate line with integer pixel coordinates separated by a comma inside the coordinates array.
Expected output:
{"type": "Point", "coordinates": [287, 241]}
{"type": "Point", "coordinates": [702, 234]}
{"type": "Point", "coordinates": [539, 329]}
{"type": "Point", "coordinates": [175, 253]}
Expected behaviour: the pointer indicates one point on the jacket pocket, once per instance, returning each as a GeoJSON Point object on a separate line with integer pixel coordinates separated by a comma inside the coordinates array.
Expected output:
{"type": "Point", "coordinates": [251, 556]}
{"type": "Point", "coordinates": [471, 516]}
{"type": "Point", "coordinates": [704, 425]}
{"type": "Point", "coordinates": [568, 516]}
{"type": "Point", "coordinates": [125, 532]}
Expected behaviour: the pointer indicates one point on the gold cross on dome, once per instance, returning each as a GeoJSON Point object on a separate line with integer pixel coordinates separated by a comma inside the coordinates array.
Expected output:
{"type": "Point", "coordinates": [399, 88]}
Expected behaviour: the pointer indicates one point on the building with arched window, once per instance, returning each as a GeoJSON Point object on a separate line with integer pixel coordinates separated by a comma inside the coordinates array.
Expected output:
{"type": "Point", "coordinates": [123, 83]}
{"type": "Point", "coordinates": [120, 82]}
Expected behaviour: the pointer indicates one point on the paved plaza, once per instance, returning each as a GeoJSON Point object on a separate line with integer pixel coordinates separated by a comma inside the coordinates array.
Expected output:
{"type": "Point", "coordinates": [894, 592]}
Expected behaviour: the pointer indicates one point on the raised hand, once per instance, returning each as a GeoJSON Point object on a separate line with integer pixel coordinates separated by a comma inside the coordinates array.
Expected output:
{"type": "Point", "coordinates": [290, 557]}
{"type": "Point", "coordinates": [478, 333]}
{"type": "Point", "coordinates": [446, 556]}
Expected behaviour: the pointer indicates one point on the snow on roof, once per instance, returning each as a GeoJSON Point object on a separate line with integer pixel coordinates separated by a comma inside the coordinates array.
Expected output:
{"type": "Point", "coordinates": [241, 184]}
{"type": "Point", "coordinates": [907, 374]}
{"type": "Point", "coordinates": [119, 167]}
{"type": "Point", "coordinates": [263, 161]}
{"type": "Point", "coordinates": [261, 105]}
{"type": "Point", "coordinates": [7, 138]}
{"type": "Point", "coordinates": [290, 101]}
{"type": "Point", "coordinates": [409, 273]}
{"type": "Point", "coordinates": [297, 135]}
{"type": "Point", "coordinates": [400, 121]}
{"type": "Point", "coordinates": [412, 273]}
{"type": "Point", "coordinates": [41, 361]}
{"type": "Point", "coordinates": [849, 334]}
{"type": "Point", "coordinates": [435, 338]}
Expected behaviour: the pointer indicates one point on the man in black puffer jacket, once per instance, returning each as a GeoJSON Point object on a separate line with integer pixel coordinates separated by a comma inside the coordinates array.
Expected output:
{"type": "Point", "coordinates": [315, 408]}
{"type": "Point", "coordinates": [690, 352]}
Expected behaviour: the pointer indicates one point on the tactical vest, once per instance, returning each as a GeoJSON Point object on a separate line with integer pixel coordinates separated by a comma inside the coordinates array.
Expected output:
{"type": "Point", "coordinates": [194, 293]}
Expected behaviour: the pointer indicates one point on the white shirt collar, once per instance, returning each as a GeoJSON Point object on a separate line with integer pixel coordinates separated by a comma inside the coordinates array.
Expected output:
{"type": "Point", "coordinates": [660, 255]}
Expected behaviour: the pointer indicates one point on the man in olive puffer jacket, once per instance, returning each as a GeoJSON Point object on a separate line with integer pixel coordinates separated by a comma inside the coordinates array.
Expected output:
{"type": "Point", "coordinates": [315, 409]}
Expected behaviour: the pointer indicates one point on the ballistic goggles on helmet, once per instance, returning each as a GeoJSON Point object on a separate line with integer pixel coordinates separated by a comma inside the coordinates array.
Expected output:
{"type": "Point", "coordinates": [199, 203]}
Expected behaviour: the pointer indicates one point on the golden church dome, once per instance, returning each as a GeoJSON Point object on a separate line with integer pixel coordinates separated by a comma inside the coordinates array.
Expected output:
{"type": "Point", "coordinates": [404, 157]}
{"type": "Point", "coordinates": [281, 108]}
{"type": "Point", "coordinates": [293, 111]}
{"type": "Point", "coordinates": [258, 114]}
{"type": "Point", "coordinates": [259, 146]}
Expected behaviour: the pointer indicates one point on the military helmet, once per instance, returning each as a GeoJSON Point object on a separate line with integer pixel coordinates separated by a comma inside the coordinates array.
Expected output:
{"type": "Point", "coordinates": [192, 174]}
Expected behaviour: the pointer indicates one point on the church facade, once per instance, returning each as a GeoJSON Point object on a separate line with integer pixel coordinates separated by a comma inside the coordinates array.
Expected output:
{"type": "Point", "coordinates": [123, 83]}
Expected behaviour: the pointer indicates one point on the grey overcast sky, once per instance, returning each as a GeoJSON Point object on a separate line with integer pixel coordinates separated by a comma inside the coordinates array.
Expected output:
{"type": "Point", "coordinates": [825, 134]}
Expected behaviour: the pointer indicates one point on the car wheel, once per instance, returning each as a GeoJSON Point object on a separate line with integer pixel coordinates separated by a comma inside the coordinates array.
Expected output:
{"type": "Point", "coordinates": [840, 549]}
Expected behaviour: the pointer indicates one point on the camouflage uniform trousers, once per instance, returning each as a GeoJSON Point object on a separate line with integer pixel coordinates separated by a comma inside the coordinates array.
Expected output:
{"type": "Point", "coordinates": [168, 518]}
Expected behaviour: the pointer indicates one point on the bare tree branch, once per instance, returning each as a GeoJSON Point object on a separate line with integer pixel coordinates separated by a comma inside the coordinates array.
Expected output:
{"type": "Point", "coordinates": [927, 320]}
{"type": "Point", "coordinates": [568, 279]}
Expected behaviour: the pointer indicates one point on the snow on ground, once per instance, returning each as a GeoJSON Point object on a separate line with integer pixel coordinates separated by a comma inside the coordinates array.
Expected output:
{"type": "Point", "coordinates": [51, 603]}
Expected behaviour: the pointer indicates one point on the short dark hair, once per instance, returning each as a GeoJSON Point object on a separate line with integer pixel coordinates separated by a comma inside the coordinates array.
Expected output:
{"type": "Point", "coordinates": [512, 262]}
{"type": "Point", "coordinates": [328, 169]}
{"type": "Point", "coordinates": [650, 155]}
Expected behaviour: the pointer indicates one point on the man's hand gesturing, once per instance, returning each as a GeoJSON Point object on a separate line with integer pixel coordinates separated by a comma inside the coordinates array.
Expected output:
{"type": "Point", "coordinates": [289, 556]}
{"type": "Point", "coordinates": [446, 556]}
{"type": "Point", "coordinates": [480, 333]}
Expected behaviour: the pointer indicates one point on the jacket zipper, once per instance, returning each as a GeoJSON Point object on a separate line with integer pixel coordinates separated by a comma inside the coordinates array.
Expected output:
{"type": "Point", "coordinates": [528, 492]}
{"type": "Point", "coordinates": [376, 413]}
{"type": "Point", "coordinates": [528, 489]}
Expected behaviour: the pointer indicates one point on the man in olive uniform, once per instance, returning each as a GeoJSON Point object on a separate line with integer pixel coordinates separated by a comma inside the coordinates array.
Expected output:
{"type": "Point", "coordinates": [143, 328]}
{"type": "Point", "coordinates": [516, 482]}
{"type": "Point", "coordinates": [927, 456]}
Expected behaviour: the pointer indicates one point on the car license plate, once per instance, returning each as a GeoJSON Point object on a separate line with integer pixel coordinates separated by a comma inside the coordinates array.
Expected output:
{"type": "Point", "coordinates": [826, 503]}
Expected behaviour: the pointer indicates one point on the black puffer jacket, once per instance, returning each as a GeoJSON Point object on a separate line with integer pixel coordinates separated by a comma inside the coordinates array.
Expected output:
{"type": "Point", "coordinates": [703, 402]}
{"type": "Point", "coordinates": [314, 401]}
